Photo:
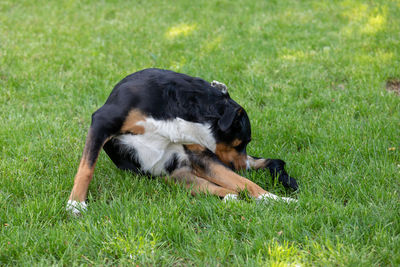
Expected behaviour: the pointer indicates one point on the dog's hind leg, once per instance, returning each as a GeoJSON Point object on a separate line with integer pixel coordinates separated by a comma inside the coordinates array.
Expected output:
{"type": "Point", "coordinates": [104, 125]}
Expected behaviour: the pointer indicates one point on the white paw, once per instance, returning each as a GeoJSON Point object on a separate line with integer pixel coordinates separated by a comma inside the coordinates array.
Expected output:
{"type": "Point", "coordinates": [289, 200]}
{"type": "Point", "coordinates": [76, 207]}
{"type": "Point", "coordinates": [230, 197]}
{"type": "Point", "coordinates": [268, 196]}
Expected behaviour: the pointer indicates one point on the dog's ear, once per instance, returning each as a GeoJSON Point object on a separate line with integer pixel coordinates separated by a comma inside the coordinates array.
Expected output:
{"type": "Point", "coordinates": [226, 121]}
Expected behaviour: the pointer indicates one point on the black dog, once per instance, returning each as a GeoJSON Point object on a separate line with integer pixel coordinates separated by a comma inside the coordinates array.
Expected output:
{"type": "Point", "coordinates": [168, 124]}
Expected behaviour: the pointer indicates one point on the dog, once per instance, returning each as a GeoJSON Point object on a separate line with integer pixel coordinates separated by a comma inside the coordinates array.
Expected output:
{"type": "Point", "coordinates": [162, 123]}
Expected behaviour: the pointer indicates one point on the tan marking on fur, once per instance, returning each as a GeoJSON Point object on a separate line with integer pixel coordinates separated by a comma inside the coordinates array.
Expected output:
{"type": "Point", "coordinates": [198, 185]}
{"type": "Point", "coordinates": [85, 173]}
{"type": "Point", "coordinates": [236, 142]}
{"type": "Point", "coordinates": [195, 148]}
{"type": "Point", "coordinates": [82, 180]}
{"type": "Point", "coordinates": [130, 125]}
{"type": "Point", "coordinates": [227, 154]}
{"type": "Point", "coordinates": [226, 178]}
{"type": "Point", "coordinates": [257, 163]}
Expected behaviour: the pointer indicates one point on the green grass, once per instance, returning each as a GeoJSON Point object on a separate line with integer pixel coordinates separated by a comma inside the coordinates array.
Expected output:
{"type": "Point", "coordinates": [312, 77]}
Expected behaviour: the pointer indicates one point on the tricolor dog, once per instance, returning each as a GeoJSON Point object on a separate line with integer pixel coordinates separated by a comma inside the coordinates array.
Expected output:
{"type": "Point", "coordinates": [162, 123]}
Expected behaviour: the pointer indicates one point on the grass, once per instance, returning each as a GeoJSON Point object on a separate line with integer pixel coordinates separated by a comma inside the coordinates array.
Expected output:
{"type": "Point", "coordinates": [312, 77]}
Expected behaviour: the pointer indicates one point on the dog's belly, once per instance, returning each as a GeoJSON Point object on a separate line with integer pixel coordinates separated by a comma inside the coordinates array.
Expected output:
{"type": "Point", "coordinates": [153, 152]}
{"type": "Point", "coordinates": [162, 143]}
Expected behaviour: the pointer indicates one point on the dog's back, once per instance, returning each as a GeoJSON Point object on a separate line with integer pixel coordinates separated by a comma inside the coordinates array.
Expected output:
{"type": "Point", "coordinates": [164, 94]}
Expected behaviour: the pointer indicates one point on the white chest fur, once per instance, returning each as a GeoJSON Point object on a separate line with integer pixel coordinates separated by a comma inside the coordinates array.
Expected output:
{"type": "Point", "coordinates": [163, 139]}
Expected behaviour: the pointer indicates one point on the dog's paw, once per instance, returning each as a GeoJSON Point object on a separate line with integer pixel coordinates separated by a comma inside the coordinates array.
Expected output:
{"type": "Point", "coordinates": [230, 197]}
{"type": "Point", "coordinates": [268, 197]}
{"type": "Point", "coordinates": [76, 207]}
{"type": "Point", "coordinates": [289, 200]}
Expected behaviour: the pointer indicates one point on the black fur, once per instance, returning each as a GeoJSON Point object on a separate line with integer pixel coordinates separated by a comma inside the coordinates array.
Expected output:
{"type": "Point", "coordinates": [277, 170]}
{"type": "Point", "coordinates": [172, 164]}
{"type": "Point", "coordinates": [125, 160]}
{"type": "Point", "coordinates": [164, 94]}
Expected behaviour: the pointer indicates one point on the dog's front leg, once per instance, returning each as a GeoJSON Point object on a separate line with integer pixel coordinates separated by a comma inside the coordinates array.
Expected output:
{"type": "Point", "coordinates": [277, 169]}
{"type": "Point", "coordinates": [223, 176]}
{"type": "Point", "coordinates": [190, 180]}
{"type": "Point", "coordinates": [205, 164]}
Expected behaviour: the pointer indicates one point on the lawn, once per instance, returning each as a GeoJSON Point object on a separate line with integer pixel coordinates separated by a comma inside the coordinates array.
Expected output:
{"type": "Point", "coordinates": [317, 78]}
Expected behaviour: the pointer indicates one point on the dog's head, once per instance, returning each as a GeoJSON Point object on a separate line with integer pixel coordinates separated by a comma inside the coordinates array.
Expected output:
{"type": "Point", "coordinates": [233, 134]}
